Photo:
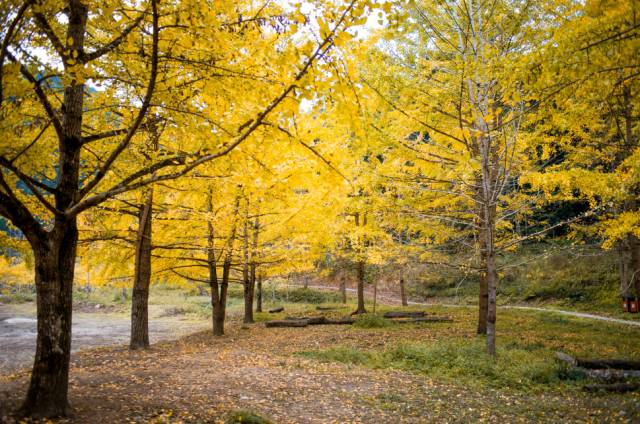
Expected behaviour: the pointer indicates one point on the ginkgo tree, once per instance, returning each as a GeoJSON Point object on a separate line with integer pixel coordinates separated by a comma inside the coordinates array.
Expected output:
{"type": "Point", "coordinates": [452, 76]}
{"type": "Point", "coordinates": [72, 147]}
{"type": "Point", "coordinates": [588, 135]}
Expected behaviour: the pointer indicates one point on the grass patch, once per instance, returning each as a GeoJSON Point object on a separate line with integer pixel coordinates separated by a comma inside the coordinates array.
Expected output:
{"type": "Point", "coordinates": [344, 354]}
{"type": "Point", "coordinates": [520, 367]}
{"type": "Point", "coordinates": [246, 417]}
{"type": "Point", "coordinates": [371, 321]}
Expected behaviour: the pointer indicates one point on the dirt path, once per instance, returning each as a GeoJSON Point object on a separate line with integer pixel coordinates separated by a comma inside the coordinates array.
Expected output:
{"type": "Point", "coordinates": [389, 300]}
{"type": "Point", "coordinates": [18, 332]}
{"type": "Point", "coordinates": [201, 379]}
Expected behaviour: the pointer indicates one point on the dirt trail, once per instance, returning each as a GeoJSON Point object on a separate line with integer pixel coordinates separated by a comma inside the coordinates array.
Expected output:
{"type": "Point", "coordinates": [18, 332]}
{"type": "Point", "coordinates": [201, 378]}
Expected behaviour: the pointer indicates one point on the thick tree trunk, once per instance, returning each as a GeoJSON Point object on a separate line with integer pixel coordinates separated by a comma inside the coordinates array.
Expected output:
{"type": "Point", "coordinates": [54, 268]}
{"type": "Point", "coordinates": [343, 290]}
{"type": "Point", "coordinates": [142, 279]}
{"type": "Point", "coordinates": [403, 293]}
{"type": "Point", "coordinates": [259, 294]}
{"type": "Point", "coordinates": [248, 301]}
{"type": "Point", "coordinates": [221, 307]}
{"type": "Point", "coordinates": [360, 271]}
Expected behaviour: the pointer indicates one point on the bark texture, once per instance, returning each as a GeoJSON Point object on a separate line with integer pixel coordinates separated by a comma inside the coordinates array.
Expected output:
{"type": "Point", "coordinates": [142, 279]}
{"type": "Point", "coordinates": [403, 293]}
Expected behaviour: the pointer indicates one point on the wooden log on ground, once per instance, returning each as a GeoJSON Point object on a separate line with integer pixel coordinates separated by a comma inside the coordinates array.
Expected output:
{"type": "Point", "coordinates": [287, 323]}
{"type": "Point", "coordinates": [599, 364]}
{"type": "Point", "coordinates": [563, 357]}
{"type": "Point", "coordinates": [305, 321]}
{"type": "Point", "coordinates": [616, 364]}
{"type": "Point", "coordinates": [423, 319]}
{"type": "Point", "coordinates": [276, 310]}
{"type": "Point", "coordinates": [404, 314]}
{"type": "Point", "coordinates": [614, 388]}
{"type": "Point", "coordinates": [610, 374]}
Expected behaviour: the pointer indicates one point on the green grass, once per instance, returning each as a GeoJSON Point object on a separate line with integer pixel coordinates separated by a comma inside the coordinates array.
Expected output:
{"type": "Point", "coordinates": [371, 321]}
{"type": "Point", "coordinates": [527, 342]}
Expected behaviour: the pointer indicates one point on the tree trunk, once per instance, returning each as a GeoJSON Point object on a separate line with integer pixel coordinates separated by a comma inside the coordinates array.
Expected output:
{"type": "Point", "coordinates": [634, 247]}
{"type": "Point", "coordinates": [623, 268]}
{"type": "Point", "coordinates": [142, 279]}
{"type": "Point", "coordinates": [492, 281]}
{"type": "Point", "coordinates": [249, 289]}
{"type": "Point", "coordinates": [259, 294]}
{"type": "Point", "coordinates": [483, 300]}
{"type": "Point", "coordinates": [54, 268]}
{"type": "Point", "coordinates": [361, 309]}
{"type": "Point", "coordinates": [343, 290]}
{"type": "Point", "coordinates": [403, 293]}
{"type": "Point", "coordinates": [375, 296]}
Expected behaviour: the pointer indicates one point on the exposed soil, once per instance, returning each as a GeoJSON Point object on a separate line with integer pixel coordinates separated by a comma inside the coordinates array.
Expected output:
{"type": "Point", "coordinates": [201, 378]}
{"type": "Point", "coordinates": [97, 328]}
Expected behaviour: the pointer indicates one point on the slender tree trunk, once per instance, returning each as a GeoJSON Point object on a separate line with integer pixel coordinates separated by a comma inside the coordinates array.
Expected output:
{"type": "Point", "coordinates": [54, 270]}
{"type": "Point", "coordinates": [403, 293]}
{"type": "Point", "coordinates": [360, 271]}
{"type": "Point", "coordinates": [343, 289]}
{"type": "Point", "coordinates": [634, 247]}
{"type": "Point", "coordinates": [624, 266]}
{"type": "Point", "coordinates": [491, 278]}
{"type": "Point", "coordinates": [142, 279]}
{"type": "Point", "coordinates": [483, 298]}
{"type": "Point", "coordinates": [246, 280]}
{"type": "Point", "coordinates": [259, 294]}
{"type": "Point", "coordinates": [375, 295]}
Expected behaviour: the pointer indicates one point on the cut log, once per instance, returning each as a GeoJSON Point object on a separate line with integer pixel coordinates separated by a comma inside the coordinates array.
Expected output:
{"type": "Point", "coordinates": [310, 320]}
{"type": "Point", "coordinates": [615, 388]}
{"type": "Point", "coordinates": [305, 321]}
{"type": "Point", "coordinates": [561, 356]}
{"type": "Point", "coordinates": [610, 374]}
{"type": "Point", "coordinates": [287, 323]}
{"type": "Point", "coordinates": [276, 310]}
{"type": "Point", "coordinates": [599, 364]}
{"type": "Point", "coordinates": [616, 364]}
{"type": "Point", "coordinates": [423, 319]}
{"type": "Point", "coordinates": [404, 314]}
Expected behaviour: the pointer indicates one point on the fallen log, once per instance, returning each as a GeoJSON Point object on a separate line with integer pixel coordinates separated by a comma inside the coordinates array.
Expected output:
{"type": "Point", "coordinates": [614, 388]}
{"type": "Point", "coordinates": [287, 323]}
{"type": "Point", "coordinates": [404, 314]}
{"type": "Point", "coordinates": [276, 310]}
{"type": "Point", "coordinates": [599, 364]}
{"type": "Point", "coordinates": [610, 374]}
{"type": "Point", "coordinates": [310, 320]}
{"type": "Point", "coordinates": [305, 321]}
{"type": "Point", "coordinates": [423, 319]}
{"type": "Point", "coordinates": [616, 364]}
